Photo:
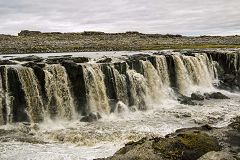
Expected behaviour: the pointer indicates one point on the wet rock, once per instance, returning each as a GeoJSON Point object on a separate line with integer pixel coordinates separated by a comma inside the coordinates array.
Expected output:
{"type": "Point", "coordinates": [105, 60]}
{"type": "Point", "coordinates": [186, 100]}
{"type": "Point", "coordinates": [197, 97]}
{"type": "Point", "coordinates": [140, 150]}
{"type": "Point", "coordinates": [28, 58]}
{"type": "Point", "coordinates": [7, 62]}
{"type": "Point", "coordinates": [185, 146]}
{"type": "Point", "coordinates": [215, 95]}
{"type": "Point", "coordinates": [80, 59]}
{"type": "Point", "coordinates": [91, 117]}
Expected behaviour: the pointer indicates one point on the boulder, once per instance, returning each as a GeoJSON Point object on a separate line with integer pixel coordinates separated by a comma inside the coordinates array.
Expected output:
{"type": "Point", "coordinates": [105, 60]}
{"type": "Point", "coordinates": [186, 100]}
{"type": "Point", "coordinates": [189, 145]}
{"type": "Point", "coordinates": [197, 97]}
{"type": "Point", "coordinates": [215, 95]}
{"type": "Point", "coordinates": [91, 117]}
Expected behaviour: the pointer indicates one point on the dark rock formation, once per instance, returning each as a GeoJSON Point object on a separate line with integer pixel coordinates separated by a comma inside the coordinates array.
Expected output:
{"type": "Point", "coordinates": [215, 95]}
{"type": "Point", "coordinates": [197, 96]}
{"type": "Point", "coordinates": [29, 33]}
{"type": "Point", "coordinates": [228, 68]}
{"type": "Point", "coordinates": [28, 58]}
{"type": "Point", "coordinates": [105, 60]}
{"type": "Point", "coordinates": [6, 62]}
{"type": "Point", "coordinates": [91, 117]}
{"type": "Point", "coordinates": [75, 73]}
{"type": "Point", "coordinates": [17, 97]}
{"type": "Point", "coordinates": [186, 100]}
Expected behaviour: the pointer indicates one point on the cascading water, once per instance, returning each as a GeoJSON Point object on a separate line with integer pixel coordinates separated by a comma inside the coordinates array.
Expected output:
{"type": "Point", "coordinates": [7, 98]}
{"type": "Point", "coordinates": [30, 87]}
{"type": "Point", "coordinates": [95, 89]}
{"type": "Point", "coordinates": [139, 91]}
{"type": "Point", "coordinates": [57, 88]}
{"type": "Point", "coordinates": [50, 94]}
{"type": "Point", "coordinates": [198, 71]}
{"type": "Point", "coordinates": [1, 101]}
{"type": "Point", "coordinates": [206, 69]}
{"type": "Point", "coordinates": [193, 71]}
{"type": "Point", "coordinates": [120, 86]}
{"type": "Point", "coordinates": [183, 80]}
{"type": "Point", "coordinates": [154, 83]}
{"type": "Point", "coordinates": [162, 69]}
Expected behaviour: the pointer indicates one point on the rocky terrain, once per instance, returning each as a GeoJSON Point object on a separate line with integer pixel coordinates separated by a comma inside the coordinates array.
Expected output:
{"type": "Point", "coordinates": [37, 42]}
{"type": "Point", "coordinates": [203, 143]}
{"type": "Point", "coordinates": [57, 82]}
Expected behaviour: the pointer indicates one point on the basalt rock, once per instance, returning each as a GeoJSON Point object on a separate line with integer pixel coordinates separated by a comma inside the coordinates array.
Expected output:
{"type": "Point", "coordinates": [105, 60]}
{"type": "Point", "coordinates": [28, 58]}
{"type": "Point", "coordinates": [197, 96]}
{"type": "Point", "coordinates": [186, 100]}
{"type": "Point", "coordinates": [215, 95]}
{"type": "Point", "coordinates": [91, 117]}
{"type": "Point", "coordinates": [7, 62]}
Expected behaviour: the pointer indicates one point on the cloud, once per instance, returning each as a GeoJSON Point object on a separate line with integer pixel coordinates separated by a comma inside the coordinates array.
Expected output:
{"type": "Point", "coordinates": [188, 17]}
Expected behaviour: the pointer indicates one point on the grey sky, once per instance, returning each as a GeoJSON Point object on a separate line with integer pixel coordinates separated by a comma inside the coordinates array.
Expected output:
{"type": "Point", "coordinates": [188, 17]}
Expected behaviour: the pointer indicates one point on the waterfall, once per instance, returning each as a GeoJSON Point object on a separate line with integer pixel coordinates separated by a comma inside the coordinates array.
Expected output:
{"type": "Point", "coordinates": [8, 99]}
{"type": "Point", "coordinates": [193, 71]}
{"type": "Point", "coordinates": [57, 88]}
{"type": "Point", "coordinates": [182, 77]}
{"type": "Point", "coordinates": [45, 90]}
{"type": "Point", "coordinates": [95, 89]}
{"type": "Point", "coordinates": [120, 85]}
{"type": "Point", "coordinates": [31, 90]}
{"type": "Point", "coordinates": [1, 101]}
{"type": "Point", "coordinates": [162, 69]}
{"type": "Point", "coordinates": [139, 90]}
{"type": "Point", "coordinates": [153, 80]}
{"type": "Point", "coordinates": [207, 72]}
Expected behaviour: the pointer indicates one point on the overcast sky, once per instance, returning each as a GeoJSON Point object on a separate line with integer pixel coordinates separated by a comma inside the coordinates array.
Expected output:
{"type": "Point", "coordinates": [188, 17]}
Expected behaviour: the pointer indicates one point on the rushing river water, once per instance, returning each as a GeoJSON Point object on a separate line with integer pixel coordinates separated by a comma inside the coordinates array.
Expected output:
{"type": "Point", "coordinates": [141, 101]}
